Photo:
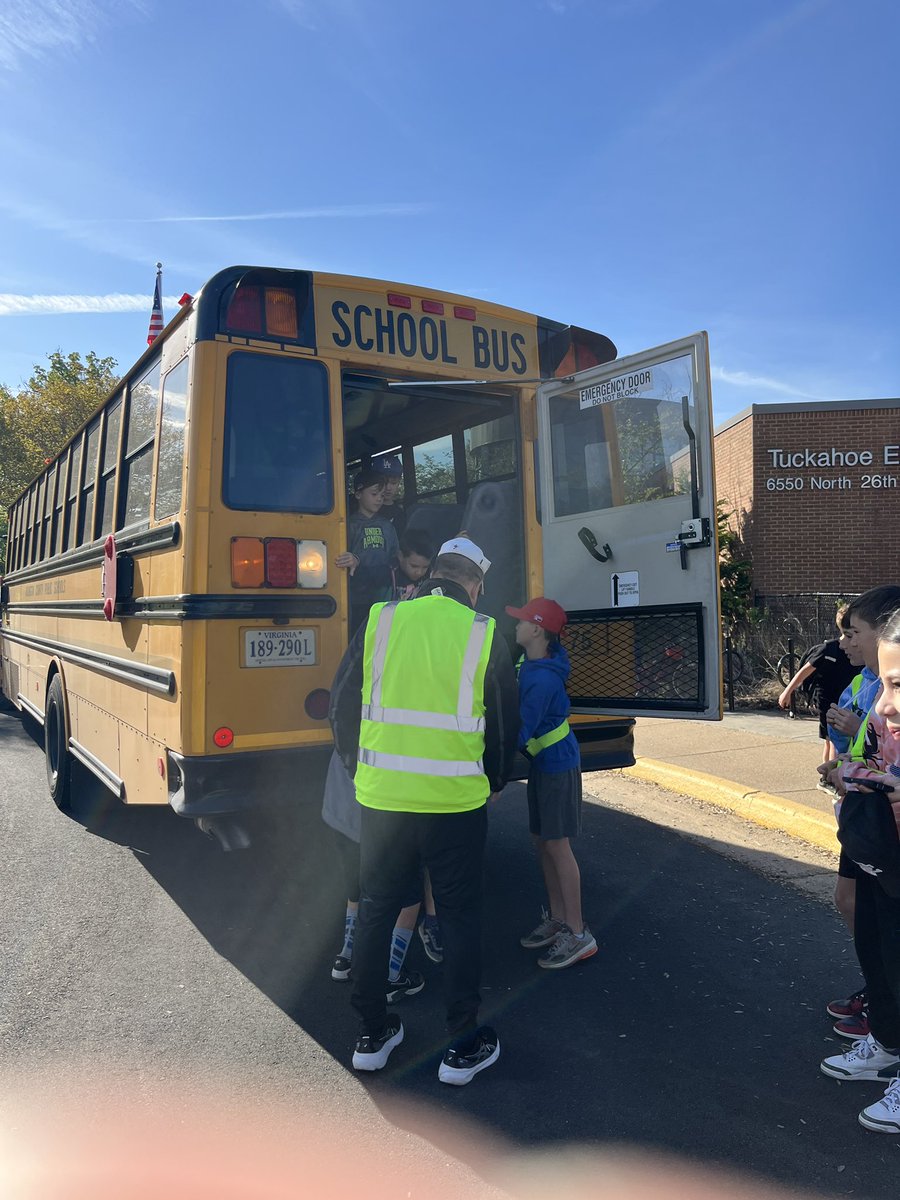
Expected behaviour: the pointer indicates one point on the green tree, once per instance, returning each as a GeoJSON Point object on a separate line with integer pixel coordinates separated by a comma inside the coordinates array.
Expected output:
{"type": "Point", "coordinates": [735, 572]}
{"type": "Point", "coordinates": [37, 420]}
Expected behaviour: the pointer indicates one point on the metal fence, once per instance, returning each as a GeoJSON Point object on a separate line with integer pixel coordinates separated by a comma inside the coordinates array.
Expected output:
{"type": "Point", "coordinates": [763, 653]}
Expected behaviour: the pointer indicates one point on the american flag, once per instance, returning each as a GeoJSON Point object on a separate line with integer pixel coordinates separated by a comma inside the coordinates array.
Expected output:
{"type": "Point", "coordinates": [156, 315]}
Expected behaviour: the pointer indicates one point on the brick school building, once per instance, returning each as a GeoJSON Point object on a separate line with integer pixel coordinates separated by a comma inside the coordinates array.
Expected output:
{"type": "Point", "coordinates": [814, 493]}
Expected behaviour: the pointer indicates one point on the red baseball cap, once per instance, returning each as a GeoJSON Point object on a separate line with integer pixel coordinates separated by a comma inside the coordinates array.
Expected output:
{"type": "Point", "coordinates": [546, 613]}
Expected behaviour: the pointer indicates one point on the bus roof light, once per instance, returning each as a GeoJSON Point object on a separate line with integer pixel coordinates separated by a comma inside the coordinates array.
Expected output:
{"type": "Point", "coordinates": [281, 562]}
{"type": "Point", "coordinates": [399, 301]}
{"type": "Point", "coordinates": [245, 310]}
{"type": "Point", "coordinates": [281, 313]}
{"type": "Point", "coordinates": [464, 313]}
{"type": "Point", "coordinates": [247, 562]}
{"type": "Point", "coordinates": [433, 306]}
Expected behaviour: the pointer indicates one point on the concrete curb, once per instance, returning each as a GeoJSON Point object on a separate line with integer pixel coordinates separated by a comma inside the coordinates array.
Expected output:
{"type": "Point", "coordinates": [772, 812]}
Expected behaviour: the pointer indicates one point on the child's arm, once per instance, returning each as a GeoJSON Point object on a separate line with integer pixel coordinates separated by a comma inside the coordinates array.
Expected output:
{"type": "Point", "coordinates": [805, 671]}
{"type": "Point", "coordinates": [534, 703]}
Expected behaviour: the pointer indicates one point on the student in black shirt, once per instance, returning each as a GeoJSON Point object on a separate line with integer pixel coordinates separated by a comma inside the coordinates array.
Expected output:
{"type": "Point", "coordinates": [828, 671]}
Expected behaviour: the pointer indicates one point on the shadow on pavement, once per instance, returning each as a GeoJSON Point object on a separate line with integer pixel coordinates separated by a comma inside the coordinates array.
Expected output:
{"type": "Point", "coordinates": [697, 1028]}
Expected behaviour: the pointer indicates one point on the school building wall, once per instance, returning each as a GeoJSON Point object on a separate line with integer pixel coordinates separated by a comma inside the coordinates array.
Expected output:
{"type": "Point", "coordinates": [814, 492]}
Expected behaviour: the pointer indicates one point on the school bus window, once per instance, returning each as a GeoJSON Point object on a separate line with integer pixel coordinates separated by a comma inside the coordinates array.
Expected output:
{"type": "Point", "coordinates": [277, 435]}
{"type": "Point", "coordinates": [623, 451]}
{"type": "Point", "coordinates": [37, 503]}
{"type": "Point", "coordinates": [171, 442]}
{"type": "Point", "coordinates": [72, 494]}
{"type": "Point", "coordinates": [107, 492]}
{"type": "Point", "coordinates": [49, 496]}
{"type": "Point", "coordinates": [86, 519]}
{"type": "Point", "coordinates": [490, 450]}
{"type": "Point", "coordinates": [137, 467]}
{"type": "Point", "coordinates": [60, 505]}
{"type": "Point", "coordinates": [435, 474]}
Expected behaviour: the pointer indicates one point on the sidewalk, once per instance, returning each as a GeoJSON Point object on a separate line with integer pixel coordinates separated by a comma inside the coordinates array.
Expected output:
{"type": "Point", "coordinates": [760, 765]}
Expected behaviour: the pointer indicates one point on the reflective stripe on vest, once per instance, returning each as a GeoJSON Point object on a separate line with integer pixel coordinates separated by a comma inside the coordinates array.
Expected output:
{"type": "Point", "coordinates": [856, 749]}
{"type": "Point", "coordinates": [536, 745]}
{"type": "Point", "coordinates": [422, 729]}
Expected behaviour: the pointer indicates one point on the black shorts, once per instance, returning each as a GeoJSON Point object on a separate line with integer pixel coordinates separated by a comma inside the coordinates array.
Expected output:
{"type": "Point", "coordinates": [847, 868]}
{"type": "Point", "coordinates": [554, 804]}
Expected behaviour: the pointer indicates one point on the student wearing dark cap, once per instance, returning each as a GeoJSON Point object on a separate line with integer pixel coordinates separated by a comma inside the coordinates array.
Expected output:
{"type": "Point", "coordinates": [391, 471]}
{"type": "Point", "coordinates": [554, 782]}
{"type": "Point", "coordinates": [371, 548]}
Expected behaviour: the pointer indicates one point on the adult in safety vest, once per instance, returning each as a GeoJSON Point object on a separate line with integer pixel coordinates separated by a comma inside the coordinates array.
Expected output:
{"type": "Point", "coordinates": [424, 712]}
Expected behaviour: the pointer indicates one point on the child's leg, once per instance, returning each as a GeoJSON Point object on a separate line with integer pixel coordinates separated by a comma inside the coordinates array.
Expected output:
{"type": "Point", "coordinates": [427, 894]}
{"type": "Point", "coordinates": [845, 899]}
{"type": "Point", "coordinates": [563, 868]}
{"type": "Point", "coordinates": [555, 905]}
{"type": "Point", "coordinates": [400, 939]}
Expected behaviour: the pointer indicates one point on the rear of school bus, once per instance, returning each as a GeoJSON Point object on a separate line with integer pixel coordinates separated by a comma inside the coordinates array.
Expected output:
{"type": "Point", "coordinates": [265, 607]}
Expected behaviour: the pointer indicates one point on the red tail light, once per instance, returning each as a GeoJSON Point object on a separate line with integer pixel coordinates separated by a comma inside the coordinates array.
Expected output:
{"type": "Point", "coordinates": [245, 313]}
{"type": "Point", "coordinates": [281, 562]}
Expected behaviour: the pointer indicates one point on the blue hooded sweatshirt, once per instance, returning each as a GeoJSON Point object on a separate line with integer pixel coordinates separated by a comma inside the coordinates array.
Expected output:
{"type": "Point", "coordinates": [543, 704]}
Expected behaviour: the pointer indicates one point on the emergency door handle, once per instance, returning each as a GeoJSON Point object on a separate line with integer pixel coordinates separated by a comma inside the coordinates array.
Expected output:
{"type": "Point", "coordinates": [590, 544]}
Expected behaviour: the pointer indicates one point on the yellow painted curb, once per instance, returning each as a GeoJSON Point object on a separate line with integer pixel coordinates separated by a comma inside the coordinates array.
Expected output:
{"type": "Point", "coordinates": [773, 812]}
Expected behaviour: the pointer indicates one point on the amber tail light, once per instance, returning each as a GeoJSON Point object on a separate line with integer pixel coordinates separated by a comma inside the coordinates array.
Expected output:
{"type": "Point", "coordinates": [247, 562]}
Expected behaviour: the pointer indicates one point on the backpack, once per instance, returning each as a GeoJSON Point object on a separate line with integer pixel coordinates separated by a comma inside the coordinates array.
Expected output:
{"type": "Point", "coordinates": [808, 686]}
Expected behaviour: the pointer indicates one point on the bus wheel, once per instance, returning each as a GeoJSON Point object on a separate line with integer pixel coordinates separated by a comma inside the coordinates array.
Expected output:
{"type": "Point", "coordinates": [56, 750]}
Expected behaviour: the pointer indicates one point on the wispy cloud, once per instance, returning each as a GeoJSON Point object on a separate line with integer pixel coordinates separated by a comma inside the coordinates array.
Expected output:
{"type": "Point", "coordinates": [32, 29]}
{"type": "Point", "coordinates": [12, 305]}
{"type": "Point", "coordinates": [335, 211]}
{"type": "Point", "coordinates": [760, 383]}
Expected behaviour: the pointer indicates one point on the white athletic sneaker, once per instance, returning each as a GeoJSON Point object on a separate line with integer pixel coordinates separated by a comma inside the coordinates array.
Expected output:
{"type": "Point", "coordinates": [884, 1115]}
{"type": "Point", "coordinates": [866, 1059]}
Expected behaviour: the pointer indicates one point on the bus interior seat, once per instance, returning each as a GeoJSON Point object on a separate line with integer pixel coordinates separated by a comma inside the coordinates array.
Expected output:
{"type": "Point", "coordinates": [493, 520]}
{"type": "Point", "coordinates": [440, 521]}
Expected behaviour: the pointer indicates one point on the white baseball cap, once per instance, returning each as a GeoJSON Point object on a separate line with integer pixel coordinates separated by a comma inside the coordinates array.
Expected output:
{"type": "Point", "coordinates": [468, 549]}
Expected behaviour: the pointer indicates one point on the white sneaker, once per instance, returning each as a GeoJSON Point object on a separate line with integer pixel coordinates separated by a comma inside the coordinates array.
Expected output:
{"type": "Point", "coordinates": [884, 1115]}
{"type": "Point", "coordinates": [866, 1059]}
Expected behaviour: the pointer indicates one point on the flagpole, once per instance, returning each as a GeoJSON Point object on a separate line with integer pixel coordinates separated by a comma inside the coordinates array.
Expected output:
{"type": "Point", "coordinates": [156, 313]}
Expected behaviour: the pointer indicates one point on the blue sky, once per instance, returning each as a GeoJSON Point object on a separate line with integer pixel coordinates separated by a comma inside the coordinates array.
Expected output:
{"type": "Point", "coordinates": [645, 168]}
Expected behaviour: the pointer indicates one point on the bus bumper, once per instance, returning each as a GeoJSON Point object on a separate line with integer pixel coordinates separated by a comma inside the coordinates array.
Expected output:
{"type": "Point", "coordinates": [604, 747]}
{"type": "Point", "coordinates": [227, 783]}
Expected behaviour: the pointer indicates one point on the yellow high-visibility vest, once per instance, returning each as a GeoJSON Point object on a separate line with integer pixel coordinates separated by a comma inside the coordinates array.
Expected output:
{"type": "Point", "coordinates": [421, 736]}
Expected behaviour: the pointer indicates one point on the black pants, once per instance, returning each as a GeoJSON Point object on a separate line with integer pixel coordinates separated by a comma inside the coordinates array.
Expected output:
{"type": "Point", "coordinates": [876, 934]}
{"type": "Point", "coordinates": [393, 848]}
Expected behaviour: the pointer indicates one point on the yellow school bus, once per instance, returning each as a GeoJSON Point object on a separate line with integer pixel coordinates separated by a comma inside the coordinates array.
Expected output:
{"type": "Point", "coordinates": [172, 612]}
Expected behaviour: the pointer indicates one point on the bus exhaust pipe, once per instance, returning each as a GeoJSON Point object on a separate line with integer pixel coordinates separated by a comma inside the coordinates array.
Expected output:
{"type": "Point", "coordinates": [225, 830]}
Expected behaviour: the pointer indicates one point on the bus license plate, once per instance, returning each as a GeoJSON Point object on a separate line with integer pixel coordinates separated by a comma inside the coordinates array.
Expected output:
{"type": "Point", "coordinates": [279, 647]}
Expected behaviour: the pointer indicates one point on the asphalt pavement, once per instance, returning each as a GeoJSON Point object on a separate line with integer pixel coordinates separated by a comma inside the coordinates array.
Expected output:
{"type": "Point", "coordinates": [761, 765]}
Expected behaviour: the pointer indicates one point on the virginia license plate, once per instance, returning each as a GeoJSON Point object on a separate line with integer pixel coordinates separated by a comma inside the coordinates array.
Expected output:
{"type": "Point", "coordinates": [279, 647]}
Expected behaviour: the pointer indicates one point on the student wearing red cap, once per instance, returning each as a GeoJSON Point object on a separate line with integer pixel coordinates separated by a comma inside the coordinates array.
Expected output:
{"type": "Point", "coordinates": [554, 782]}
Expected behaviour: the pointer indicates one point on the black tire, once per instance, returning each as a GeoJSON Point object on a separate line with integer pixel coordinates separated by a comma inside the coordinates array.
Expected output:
{"type": "Point", "coordinates": [783, 667]}
{"type": "Point", "coordinates": [56, 746]}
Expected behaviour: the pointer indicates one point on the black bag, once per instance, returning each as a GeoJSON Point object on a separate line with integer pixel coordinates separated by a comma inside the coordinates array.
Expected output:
{"type": "Point", "coordinates": [868, 833]}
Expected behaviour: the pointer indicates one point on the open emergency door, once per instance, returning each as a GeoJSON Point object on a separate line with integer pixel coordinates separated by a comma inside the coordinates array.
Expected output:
{"type": "Point", "coordinates": [629, 531]}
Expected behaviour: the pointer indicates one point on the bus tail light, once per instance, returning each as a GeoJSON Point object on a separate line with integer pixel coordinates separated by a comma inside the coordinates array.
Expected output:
{"type": "Point", "coordinates": [281, 562]}
{"type": "Point", "coordinates": [312, 564]}
{"type": "Point", "coordinates": [247, 562]}
{"type": "Point", "coordinates": [245, 310]}
{"type": "Point", "coordinates": [281, 313]}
